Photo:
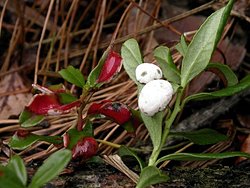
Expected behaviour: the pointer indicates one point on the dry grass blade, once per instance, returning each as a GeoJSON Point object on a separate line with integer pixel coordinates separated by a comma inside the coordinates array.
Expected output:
{"type": "Point", "coordinates": [115, 161]}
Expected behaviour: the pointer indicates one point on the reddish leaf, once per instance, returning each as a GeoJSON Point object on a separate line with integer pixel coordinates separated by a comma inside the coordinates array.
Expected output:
{"type": "Point", "coordinates": [49, 104]}
{"type": "Point", "coordinates": [64, 108]}
{"type": "Point", "coordinates": [95, 107]}
{"type": "Point", "coordinates": [42, 103]}
{"type": "Point", "coordinates": [85, 148]}
{"type": "Point", "coordinates": [110, 68]}
{"type": "Point", "coordinates": [116, 111]}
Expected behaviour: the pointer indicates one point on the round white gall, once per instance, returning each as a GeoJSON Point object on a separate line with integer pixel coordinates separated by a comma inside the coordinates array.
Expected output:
{"type": "Point", "coordinates": [147, 72]}
{"type": "Point", "coordinates": [155, 96]}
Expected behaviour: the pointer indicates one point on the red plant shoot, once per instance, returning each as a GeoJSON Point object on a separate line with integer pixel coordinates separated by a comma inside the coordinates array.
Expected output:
{"type": "Point", "coordinates": [22, 133]}
{"type": "Point", "coordinates": [111, 66]}
{"type": "Point", "coordinates": [85, 148]}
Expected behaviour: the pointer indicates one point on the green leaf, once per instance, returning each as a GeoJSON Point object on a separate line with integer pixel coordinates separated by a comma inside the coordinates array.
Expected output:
{"type": "Point", "coordinates": [125, 151]}
{"type": "Point", "coordinates": [16, 165]}
{"type": "Point", "coordinates": [151, 175]}
{"type": "Point", "coordinates": [225, 72]}
{"type": "Point", "coordinates": [202, 136]}
{"type": "Point", "coordinates": [51, 168]}
{"type": "Point", "coordinates": [154, 127]}
{"type": "Point", "coordinates": [182, 46]}
{"type": "Point", "coordinates": [75, 135]}
{"type": "Point", "coordinates": [231, 90]}
{"type": "Point", "coordinates": [73, 75]}
{"type": "Point", "coordinates": [33, 121]}
{"type": "Point", "coordinates": [93, 75]}
{"type": "Point", "coordinates": [200, 49]}
{"type": "Point", "coordinates": [131, 57]}
{"type": "Point", "coordinates": [201, 156]}
{"type": "Point", "coordinates": [24, 142]}
{"type": "Point", "coordinates": [9, 179]}
{"type": "Point", "coordinates": [28, 119]}
{"type": "Point", "coordinates": [66, 98]}
{"type": "Point", "coordinates": [169, 69]}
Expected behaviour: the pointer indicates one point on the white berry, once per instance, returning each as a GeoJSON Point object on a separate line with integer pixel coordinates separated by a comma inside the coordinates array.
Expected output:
{"type": "Point", "coordinates": [155, 96]}
{"type": "Point", "coordinates": [147, 72]}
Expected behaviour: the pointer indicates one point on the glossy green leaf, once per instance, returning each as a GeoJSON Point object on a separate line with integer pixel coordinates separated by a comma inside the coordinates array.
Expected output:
{"type": "Point", "coordinates": [22, 143]}
{"type": "Point", "coordinates": [66, 98]}
{"type": "Point", "coordinates": [131, 56]}
{"type": "Point", "coordinates": [28, 119]}
{"type": "Point", "coordinates": [51, 168]}
{"type": "Point", "coordinates": [164, 59]}
{"type": "Point", "coordinates": [201, 156]}
{"type": "Point", "coordinates": [93, 75]}
{"type": "Point", "coordinates": [200, 49]}
{"type": "Point", "coordinates": [73, 75]}
{"type": "Point", "coordinates": [151, 175]}
{"type": "Point", "coordinates": [182, 46]}
{"type": "Point", "coordinates": [202, 136]}
{"type": "Point", "coordinates": [17, 166]}
{"type": "Point", "coordinates": [25, 115]}
{"type": "Point", "coordinates": [125, 151]}
{"type": "Point", "coordinates": [75, 135]}
{"type": "Point", "coordinates": [154, 127]}
{"type": "Point", "coordinates": [231, 90]}
{"type": "Point", "coordinates": [33, 121]}
{"type": "Point", "coordinates": [9, 179]}
{"type": "Point", "coordinates": [224, 72]}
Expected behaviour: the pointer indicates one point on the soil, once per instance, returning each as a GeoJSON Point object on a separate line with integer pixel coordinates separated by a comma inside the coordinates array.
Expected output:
{"type": "Point", "coordinates": [105, 176]}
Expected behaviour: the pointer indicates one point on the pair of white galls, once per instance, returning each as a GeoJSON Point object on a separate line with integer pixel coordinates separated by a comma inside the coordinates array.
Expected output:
{"type": "Point", "coordinates": [157, 93]}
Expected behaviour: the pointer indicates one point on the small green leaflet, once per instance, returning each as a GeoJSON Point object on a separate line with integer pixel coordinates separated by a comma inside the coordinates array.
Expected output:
{"type": "Point", "coordinates": [125, 151]}
{"type": "Point", "coordinates": [73, 76]}
{"type": "Point", "coordinates": [22, 143]}
{"type": "Point", "coordinates": [169, 69]}
{"type": "Point", "coordinates": [93, 75]}
{"type": "Point", "coordinates": [201, 156]}
{"type": "Point", "coordinates": [131, 56]}
{"type": "Point", "coordinates": [9, 179]}
{"type": "Point", "coordinates": [224, 72]}
{"type": "Point", "coordinates": [200, 49]}
{"type": "Point", "coordinates": [28, 119]}
{"type": "Point", "coordinates": [66, 98]}
{"type": "Point", "coordinates": [51, 168]}
{"type": "Point", "coordinates": [182, 46]}
{"type": "Point", "coordinates": [75, 135]}
{"type": "Point", "coordinates": [231, 90]}
{"type": "Point", "coordinates": [202, 136]}
{"type": "Point", "coordinates": [16, 165]}
{"type": "Point", "coordinates": [154, 127]}
{"type": "Point", "coordinates": [151, 175]}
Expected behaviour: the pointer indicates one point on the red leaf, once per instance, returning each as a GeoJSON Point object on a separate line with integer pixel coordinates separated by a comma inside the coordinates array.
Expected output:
{"type": "Point", "coordinates": [95, 107]}
{"type": "Point", "coordinates": [116, 111]}
{"type": "Point", "coordinates": [111, 67]}
{"type": "Point", "coordinates": [49, 104]}
{"type": "Point", "coordinates": [85, 148]}
{"type": "Point", "coordinates": [42, 103]}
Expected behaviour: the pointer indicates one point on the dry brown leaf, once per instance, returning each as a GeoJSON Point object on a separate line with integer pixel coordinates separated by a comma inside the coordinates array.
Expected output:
{"type": "Point", "coordinates": [245, 147]}
{"type": "Point", "coordinates": [12, 104]}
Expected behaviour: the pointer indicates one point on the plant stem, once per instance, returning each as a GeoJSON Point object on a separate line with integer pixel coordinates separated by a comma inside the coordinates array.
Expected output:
{"type": "Point", "coordinates": [109, 143]}
{"type": "Point", "coordinates": [85, 93]}
{"type": "Point", "coordinates": [154, 156]}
